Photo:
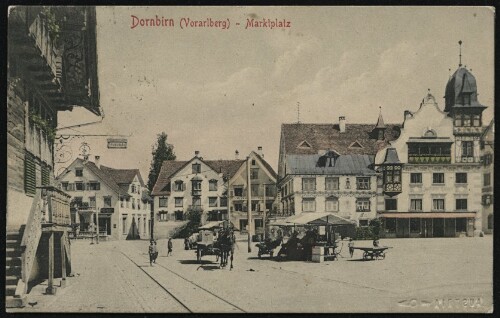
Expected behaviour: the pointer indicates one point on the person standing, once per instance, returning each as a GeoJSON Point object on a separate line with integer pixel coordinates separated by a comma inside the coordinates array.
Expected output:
{"type": "Point", "coordinates": [351, 246]}
{"type": "Point", "coordinates": [170, 246]}
{"type": "Point", "coordinates": [155, 248]}
{"type": "Point", "coordinates": [151, 252]}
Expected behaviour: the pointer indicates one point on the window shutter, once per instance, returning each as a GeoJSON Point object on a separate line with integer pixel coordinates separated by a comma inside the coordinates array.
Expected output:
{"type": "Point", "coordinates": [45, 175]}
{"type": "Point", "coordinates": [29, 174]}
{"type": "Point", "coordinates": [183, 186]}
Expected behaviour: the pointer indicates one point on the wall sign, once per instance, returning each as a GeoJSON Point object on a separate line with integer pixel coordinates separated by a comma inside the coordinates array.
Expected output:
{"type": "Point", "coordinates": [114, 143]}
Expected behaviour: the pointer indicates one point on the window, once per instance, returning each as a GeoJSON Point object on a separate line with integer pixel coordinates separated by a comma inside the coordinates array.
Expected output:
{"type": "Point", "coordinates": [391, 204]}
{"type": "Point", "coordinates": [163, 216]}
{"type": "Point", "coordinates": [255, 205]}
{"type": "Point", "coordinates": [308, 184]}
{"type": "Point", "coordinates": [64, 185]}
{"type": "Point", "coordinates": [363, 183]}
{"type": "Point", "coordinates": [179, 202]}
{"type": "Point", "coordinates": [133, 188]}
{"type": "Point", "coordinates": [476, 120]}
{"type": "Point", "coordinates": [238, 207]}
{"type": "Point", "coordinates": [486, 200]}
{"type": "Point", "coordinates": [414, 225]}
{"type": "Point", "coordinates": [45, 174]}
{"type": "Point", "coordinates": [79, 172]}
{"type": "Point", "coordinates": [238, 192]}
{"type": "Point", "coordinates": [415, 204]}
{"type": "Point", "coordinates": [223, 202]}
{"type": "Point", "coordinates": [461, 204]}
{"type": "Point", "coordinates": [332, 204]}
{"type": "Point", "coordinates": [363, 222]}
{"type": "Point", "coordinates": [269, 206]}
{"type": "Point", "coordinates": [308, 205]}
{"type": "Point", "coordinates": [461, 177]}
{"type": "Point", "coordinates": [438, 178]}
{"type": "Point", "coordinates": [124, 225]}
{"type": "Point", "coordinates": [255, 189]}
{"type": "Point", "coordinates": [196, 185]}
{"type": "Point", "coordinates": [438, 204]}
{"type": "Point", "coordinates": [429, 153]}
{"type": "Point", "coordinates": [363, 205]}
{"type": "Point", "coordinates": [390, 225]}
{"type": "Point", "coordinates": [269, 191]}
{"type": "Point", "coordinates": [415, 178]}
{"type": "Point", "coordinates": [392, 174]}
{"type": "Point", "coordinates": [163, 202]}
{"type": "Point", "coordinates": [107, 201]}
{"type": "Point", "coordinates": [212, 185]}
{"type": "Point", "coordinates": [92, 202]}
{"type": "Point", "coordinates": [332, 183]}
{"type": "Point", "coordinates": [127, 201]}
{"type": "Point", "coordinates": [196, 168]}
{"type": "Point", "coordinates": [179, 186]}
{"type": "Point", "coordinates": [466, 120]}
{"type": "Point", "coordinates": [122, 203]}
{"type": "Point", "coordinates": [487, 179]}
{"type": "Point", "coordinates": [79, 186]}
{"type": "Point", "coordinates": [467, 149]}
{"type": "Point", "coordinates": [78, 201]}
{"type": "Point", "coordinates": [94, 186]}
{"type": "Point", "coordinates": [196, 201]}
{"type": "Point", "coordinates": [347, 183]}
{"type": "Point", "coordinates": [254, 173]}
{"type": "Point", "coordinates": [179, 215]}
{"type": "Point", "coordinates": [212, 201]}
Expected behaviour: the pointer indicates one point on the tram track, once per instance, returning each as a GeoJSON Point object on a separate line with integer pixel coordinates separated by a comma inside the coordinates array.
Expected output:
{"type": "Point", "coordinates": [178, 298]}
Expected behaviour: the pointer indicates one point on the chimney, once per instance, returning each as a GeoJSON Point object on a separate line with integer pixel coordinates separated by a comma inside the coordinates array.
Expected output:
{"type": "Point", "coordinates": [259, 151]}
{"type": "Point", "coordinates": [236, 154]}
{"type": "Point", "coordinates": [196, 153]}
{"type": "Point", "coordinates": [342, 124]}
{"type": "Point", "coordinates": [96, 161]}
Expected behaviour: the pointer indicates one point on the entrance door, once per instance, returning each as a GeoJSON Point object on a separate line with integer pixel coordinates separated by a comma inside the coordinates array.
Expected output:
{"type": "Point", "coordinates": [105, 225]}
{"type": "Point", "coordinates": [426, 227]}
{"type": "Point", "coordinates": [438, 228]}
{"type": "Point", "coordinates": [402, 228]}
{"type": "Point", "coordinates": [449, 227]}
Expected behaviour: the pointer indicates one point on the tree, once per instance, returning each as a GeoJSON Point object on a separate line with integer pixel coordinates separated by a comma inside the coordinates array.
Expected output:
{"type": "Point", "coordinates": [161, 151]}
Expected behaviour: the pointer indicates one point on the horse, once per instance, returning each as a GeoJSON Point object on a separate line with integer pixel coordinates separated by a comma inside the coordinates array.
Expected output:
{"type": "Point", "coordinates": [226, 242]}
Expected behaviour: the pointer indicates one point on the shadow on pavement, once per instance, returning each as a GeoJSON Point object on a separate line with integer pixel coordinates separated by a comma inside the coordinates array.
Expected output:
{"type": "Point", "coordinates": [194, 262]}
{"type": "Point", "coordinates": [208, 268]}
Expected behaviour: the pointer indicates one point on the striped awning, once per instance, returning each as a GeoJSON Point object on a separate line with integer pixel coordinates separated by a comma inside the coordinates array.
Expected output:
{"type": "Point", "coordinates": [427, 215]}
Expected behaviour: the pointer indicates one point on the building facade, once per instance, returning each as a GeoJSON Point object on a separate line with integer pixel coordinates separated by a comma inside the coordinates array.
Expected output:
{"type": "Point", "coordinates": [114, 199]}
{"type": "Point", "coordinates": [262, 178]}
{"type": "Point", "coordinates": [488, 159]}
{"type": "Point", "coordinates": [329, 168]}
{"type": "Point", "coordinates": [43, 79]}
{"type": "Point", "coordinates": [431, 176]}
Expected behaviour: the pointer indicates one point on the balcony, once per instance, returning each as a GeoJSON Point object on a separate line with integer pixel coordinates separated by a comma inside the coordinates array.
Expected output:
{"type": "Point", "coordinates": [58, 203]}
{"type": "Point", "coordinates": [429, 159]}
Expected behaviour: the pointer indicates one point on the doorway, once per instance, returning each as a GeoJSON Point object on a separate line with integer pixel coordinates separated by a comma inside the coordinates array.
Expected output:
{"type": "Point", "coordinates": [438, 228]}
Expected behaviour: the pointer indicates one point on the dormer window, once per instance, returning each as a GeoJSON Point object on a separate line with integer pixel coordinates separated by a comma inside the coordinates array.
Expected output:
{"type": "Point", "coordinates": [357, 145]}
{"type": "Point", "coordinates": [329, 159]}
{"type": "Point", "coordinates": [179, 185]}
{"type": "Point", "coordinates": [304, 145]}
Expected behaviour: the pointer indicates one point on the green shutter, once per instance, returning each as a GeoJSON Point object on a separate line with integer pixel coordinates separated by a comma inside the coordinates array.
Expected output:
{"type": "Point", "coordinates": [45, 175]}
{"type": "Point", "coordinates": [29, 174]}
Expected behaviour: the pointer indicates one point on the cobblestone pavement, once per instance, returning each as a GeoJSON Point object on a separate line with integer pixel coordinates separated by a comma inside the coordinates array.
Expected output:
{"type": "Point", "coordinates": [418, 275]}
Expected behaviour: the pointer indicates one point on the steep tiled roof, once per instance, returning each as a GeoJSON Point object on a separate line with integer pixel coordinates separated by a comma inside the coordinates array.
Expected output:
{"type": "Point", "coordinates": [327, 136]}
{"type": "Point", "coordinates": [105, 177]}
{"type": "Point", "coordinates": [169, 167]}
{"type": "Point", "coordinates": [123, 176]}
{"type": "Point", "coordinates": [345, 165]}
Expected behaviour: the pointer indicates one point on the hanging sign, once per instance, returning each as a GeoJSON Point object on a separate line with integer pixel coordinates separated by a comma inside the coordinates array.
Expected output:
{"type": "Point", "coordinates": [117, 143]}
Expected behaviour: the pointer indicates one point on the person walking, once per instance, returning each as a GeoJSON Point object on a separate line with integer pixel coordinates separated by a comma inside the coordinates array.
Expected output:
{"type": "Point", "coordinates": [155, 256]}
{"type": "Point", "coordinates": [351, 246]}
{"type": "Point", "coordinates": [151, 251]}
{"type": "Point", "coordinates": [170, 246]}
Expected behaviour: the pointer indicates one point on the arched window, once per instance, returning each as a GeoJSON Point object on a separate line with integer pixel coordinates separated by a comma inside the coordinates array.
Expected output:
{"type": "Point", "coordinates": [430, 134]}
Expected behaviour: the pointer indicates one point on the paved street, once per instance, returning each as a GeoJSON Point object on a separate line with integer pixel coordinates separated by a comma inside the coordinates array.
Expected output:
{"type": "Point", "coordinates": [418, 275]}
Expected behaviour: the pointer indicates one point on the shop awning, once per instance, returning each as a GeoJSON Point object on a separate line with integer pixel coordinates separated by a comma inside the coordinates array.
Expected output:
{"type": "Point", "coordinates": [313, 218]}
{"type": "Point", "coordinates": [427, 215]}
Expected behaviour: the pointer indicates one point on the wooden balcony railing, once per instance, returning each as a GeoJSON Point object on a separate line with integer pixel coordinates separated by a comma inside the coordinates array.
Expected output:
{"type": "Point", "coordinates": [58, 203]}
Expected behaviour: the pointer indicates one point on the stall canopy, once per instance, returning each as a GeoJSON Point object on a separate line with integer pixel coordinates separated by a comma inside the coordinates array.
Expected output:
{"type": "Point", "coordinates": [315, 218]}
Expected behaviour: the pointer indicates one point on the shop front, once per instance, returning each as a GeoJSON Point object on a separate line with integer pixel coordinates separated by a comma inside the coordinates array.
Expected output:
{"type": "Point", "coordinates": [428, 224]}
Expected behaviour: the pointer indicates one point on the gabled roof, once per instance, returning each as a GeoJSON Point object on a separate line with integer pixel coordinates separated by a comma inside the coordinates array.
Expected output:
{"type": "Point", "coordinates": [267, 165]}
{"type": "Point", "coordinates": [328, 136]}
{"type": "Point", "coordinates": [344, 165]}
{"type": "Point", "coordinates": [169, 167]}
{"type": "Point", "coordinates": [123, 176]}
{"type": "Point", "coordinates": [105, 177]}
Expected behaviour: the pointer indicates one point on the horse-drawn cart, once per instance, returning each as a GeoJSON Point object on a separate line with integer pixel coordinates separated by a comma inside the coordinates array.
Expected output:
{"type": "Point", "coordinates": [216, 238]}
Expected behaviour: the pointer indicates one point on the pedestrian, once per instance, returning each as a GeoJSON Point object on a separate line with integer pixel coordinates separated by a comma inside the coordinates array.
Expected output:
{"type": "Point", "coordinates": [170, 245]}
{"type": "Point", "coordinates": [351, 246]}
{"type": "Point", "coordinates": [151, 252]}
{"type": "Point", "coordinates": [155, 252]}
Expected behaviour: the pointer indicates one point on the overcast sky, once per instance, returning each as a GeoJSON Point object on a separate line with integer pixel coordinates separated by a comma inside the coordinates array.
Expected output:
{"type": "Point", "coordinates": [217, 90]}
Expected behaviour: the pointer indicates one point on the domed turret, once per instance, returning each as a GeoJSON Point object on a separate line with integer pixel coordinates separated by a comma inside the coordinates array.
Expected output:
{"type": "Point", "coordinates": [461, 90]}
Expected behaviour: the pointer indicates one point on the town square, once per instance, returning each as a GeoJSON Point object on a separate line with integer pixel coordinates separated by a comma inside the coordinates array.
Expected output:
{"type": "Point", "coordinates": [250, 159]}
